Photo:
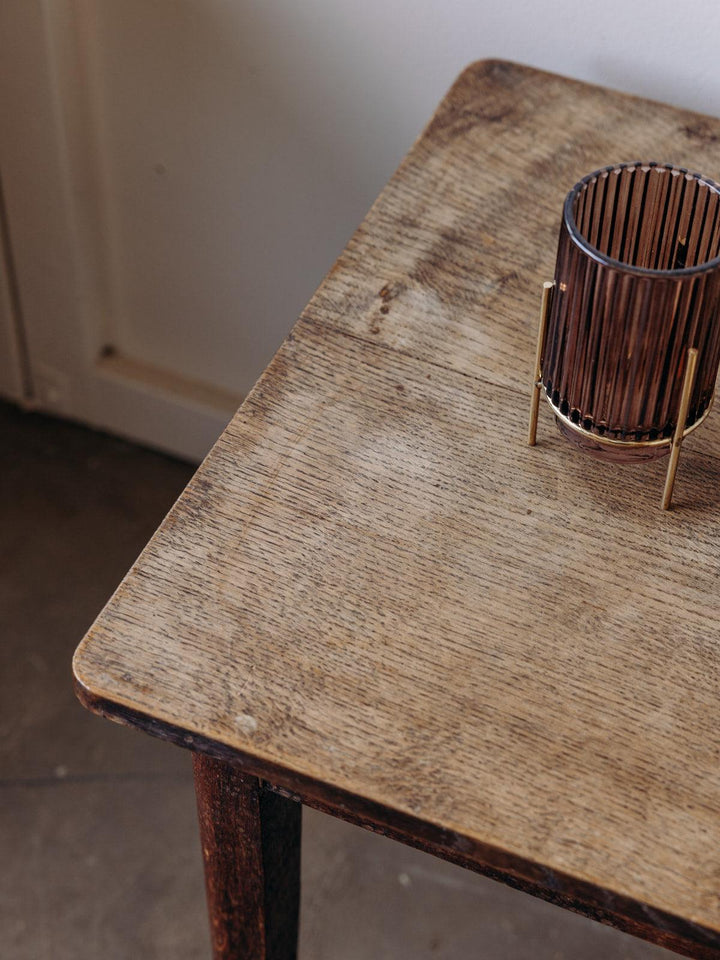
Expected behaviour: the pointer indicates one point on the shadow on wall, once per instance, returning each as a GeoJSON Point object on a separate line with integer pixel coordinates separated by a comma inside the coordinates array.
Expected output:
{"type": "Point", "coordinates": [240, 152]}
{"type": "Point", "coordinates": [655, 83]}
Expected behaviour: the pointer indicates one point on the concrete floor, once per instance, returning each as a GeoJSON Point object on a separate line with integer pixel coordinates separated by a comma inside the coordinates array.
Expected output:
{"type": "Point", "coordinates": [100, 856]}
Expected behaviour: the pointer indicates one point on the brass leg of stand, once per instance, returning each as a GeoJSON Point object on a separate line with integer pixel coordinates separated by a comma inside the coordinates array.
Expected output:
{"type": "Point", "coordinates": [690, 368]}
{"type": "Point", "coordinates": [537, 381]}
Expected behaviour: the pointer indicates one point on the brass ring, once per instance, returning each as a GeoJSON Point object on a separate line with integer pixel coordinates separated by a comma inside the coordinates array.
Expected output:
{"type": "Point", "coordinates": [626, 444]}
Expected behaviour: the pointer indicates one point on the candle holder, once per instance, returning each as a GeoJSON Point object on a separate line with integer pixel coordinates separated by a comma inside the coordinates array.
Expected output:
{"type": "Point", "coordinates": [629, 339]}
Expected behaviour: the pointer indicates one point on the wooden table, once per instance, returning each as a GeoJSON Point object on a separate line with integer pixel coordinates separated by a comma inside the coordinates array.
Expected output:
{"type": "Point", "coordinates": [374, 598]}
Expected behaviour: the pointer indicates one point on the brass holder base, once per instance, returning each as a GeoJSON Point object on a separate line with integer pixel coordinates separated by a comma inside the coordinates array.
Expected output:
{"type": "Point", "coordinates": [674, 442]}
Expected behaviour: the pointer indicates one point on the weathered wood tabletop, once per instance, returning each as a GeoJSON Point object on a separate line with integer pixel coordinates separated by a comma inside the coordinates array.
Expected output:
{"type": "Point", "coordinates": [377, 596]}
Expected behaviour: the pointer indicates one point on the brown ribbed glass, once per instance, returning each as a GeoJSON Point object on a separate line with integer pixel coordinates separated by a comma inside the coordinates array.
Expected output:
{"type": "Point", "coordinates": [637, 282]}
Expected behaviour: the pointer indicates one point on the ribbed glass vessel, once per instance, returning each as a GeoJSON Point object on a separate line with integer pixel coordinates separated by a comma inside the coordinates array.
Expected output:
{"type": "Point", "coordinates": [637, 282]}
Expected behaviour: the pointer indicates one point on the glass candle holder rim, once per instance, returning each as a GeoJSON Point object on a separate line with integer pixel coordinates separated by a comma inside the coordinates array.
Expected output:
{"type": "Point", "coordinates": [602, 258]}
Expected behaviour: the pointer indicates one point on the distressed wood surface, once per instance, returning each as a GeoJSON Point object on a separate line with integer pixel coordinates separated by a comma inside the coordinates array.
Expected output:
{"type": "Point", "coordinates": [251, 849]}
{"type": "Point", "coordinates": [373, 591]}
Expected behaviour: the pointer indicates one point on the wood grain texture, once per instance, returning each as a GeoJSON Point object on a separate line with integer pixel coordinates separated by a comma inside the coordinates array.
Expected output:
{"type": "Point", "coordinates": [251, 848]}
{"type": "Point", "coordinates": [375, 593]}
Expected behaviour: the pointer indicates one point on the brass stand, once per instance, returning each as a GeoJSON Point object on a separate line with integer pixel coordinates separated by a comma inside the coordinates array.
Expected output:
{"type": "Point", "coordinates": [548, 288]}
{"type": "Point", "coordinates": [678, 436]}
{"type": "Point", "coordinates": [680, 430]}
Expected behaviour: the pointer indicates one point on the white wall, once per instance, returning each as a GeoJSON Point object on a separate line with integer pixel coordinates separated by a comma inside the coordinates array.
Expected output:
{"type": "Point", "coordinates": [216, 154]}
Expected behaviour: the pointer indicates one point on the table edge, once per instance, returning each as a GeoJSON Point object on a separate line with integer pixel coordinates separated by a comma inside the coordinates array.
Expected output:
{"type": "Point", "coordinates": [632, 916]}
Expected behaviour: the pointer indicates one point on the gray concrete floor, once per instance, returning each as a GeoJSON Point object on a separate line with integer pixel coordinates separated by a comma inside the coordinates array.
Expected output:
{"type": "Point", "coordinates": [100, 855]}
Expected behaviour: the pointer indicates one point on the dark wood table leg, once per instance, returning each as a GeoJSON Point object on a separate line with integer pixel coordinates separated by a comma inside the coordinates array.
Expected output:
{"type": "Point", "coordinates": [251, 847]}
